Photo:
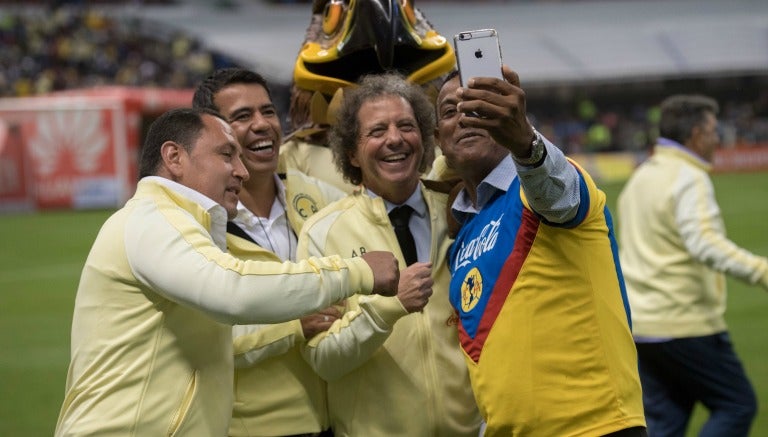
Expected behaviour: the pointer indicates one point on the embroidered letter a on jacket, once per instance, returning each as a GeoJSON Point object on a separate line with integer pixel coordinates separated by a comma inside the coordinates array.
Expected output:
{"type": "Point", "coordinates": [358, 252]}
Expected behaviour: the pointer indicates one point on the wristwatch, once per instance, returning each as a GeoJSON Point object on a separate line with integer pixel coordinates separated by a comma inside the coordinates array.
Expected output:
{"type": "Point", "coordinates": [538, 151]}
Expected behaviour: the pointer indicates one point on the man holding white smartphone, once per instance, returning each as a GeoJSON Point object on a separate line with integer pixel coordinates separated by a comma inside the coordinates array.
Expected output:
{"type": "Point", "coordinates": [478, 54]}
{"type": "Point", "coordinates": [543, 316]}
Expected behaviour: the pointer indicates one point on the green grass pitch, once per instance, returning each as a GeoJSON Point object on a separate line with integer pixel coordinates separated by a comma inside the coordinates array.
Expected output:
{"type": "Point", "coordinates": [41, 256]}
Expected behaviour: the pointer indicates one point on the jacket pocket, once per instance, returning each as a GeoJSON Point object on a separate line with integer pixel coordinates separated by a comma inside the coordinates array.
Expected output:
{"type": "Point", "coordinates": [186, 401]}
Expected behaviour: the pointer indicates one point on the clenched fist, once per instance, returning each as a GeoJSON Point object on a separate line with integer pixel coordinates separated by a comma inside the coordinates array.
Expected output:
{"type": "Point", "coordinates": [415, 286]}
{"type": "Point", "coordinates": [385, 272]}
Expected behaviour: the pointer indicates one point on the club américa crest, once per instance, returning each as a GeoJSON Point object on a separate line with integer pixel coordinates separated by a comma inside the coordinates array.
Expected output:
{"type": "Point", "coordinates": [471, 289]}
{"type": "Point", "coordinates": [304, 205]}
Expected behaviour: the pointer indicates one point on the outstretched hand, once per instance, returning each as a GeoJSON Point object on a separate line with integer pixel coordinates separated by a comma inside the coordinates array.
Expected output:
{"type": "Point", "coordinates": [499, 107]}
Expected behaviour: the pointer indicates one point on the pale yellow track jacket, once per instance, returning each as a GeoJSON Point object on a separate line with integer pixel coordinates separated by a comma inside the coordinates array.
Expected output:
{"type": "Point", "coordinates": [151, 332]}
{"type": "Point", "coordinates": [390, 373]}
{"type": "Point", "coordinates": [312, 160]}
{"type": "Point", "coordinates": [276, 391]}
{"type": "Point", "coordinates": [674, 250]}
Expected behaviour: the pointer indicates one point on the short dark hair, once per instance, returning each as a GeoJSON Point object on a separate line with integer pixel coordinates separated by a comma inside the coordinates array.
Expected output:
{"type": "Point", "coordinates": [682, 112]}
{"type": "Point", "coordinates": [451, 75]}
{"type": "Point", "coordinates": [207, 89]}
{"type": "Point", "coordinates": [182, 126]}
{"type": "Point", "coordinates": [346, 132]}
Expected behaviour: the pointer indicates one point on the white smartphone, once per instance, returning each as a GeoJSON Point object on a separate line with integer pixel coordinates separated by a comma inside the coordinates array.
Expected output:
{"type": "Point", "coordinates": [478, 54]}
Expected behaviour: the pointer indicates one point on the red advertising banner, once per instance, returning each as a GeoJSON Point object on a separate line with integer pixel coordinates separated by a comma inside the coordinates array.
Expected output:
{"type": "Point", "coordinates": [76, 149]}
{"type": "Point", "coordinates": [15, 184]}
{"type": "Point", "coordinates": [73, 157]}
{"type": "Point", "coordinates": [741, 159]}
{"type": "Point", "coordinates": [617, 167]}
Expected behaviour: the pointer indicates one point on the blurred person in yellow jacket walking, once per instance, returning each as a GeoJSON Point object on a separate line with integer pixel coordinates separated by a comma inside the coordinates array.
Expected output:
{"type": "Point", "coordinates": [675, 254]}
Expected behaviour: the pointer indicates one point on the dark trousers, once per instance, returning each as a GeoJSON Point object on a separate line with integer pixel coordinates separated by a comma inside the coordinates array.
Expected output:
{"type": "Point", "coordinates": [326, 433]}
{"type": "Point", "coordinates": [637, 431]}
{"type": "Point", "coordinates": [678, 373]}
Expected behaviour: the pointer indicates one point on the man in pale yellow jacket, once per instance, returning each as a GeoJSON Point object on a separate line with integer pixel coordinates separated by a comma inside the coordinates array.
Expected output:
{"type": "Point", "coordinates": [151, 332]}
{"type": "Point", "coordinates": [675, 255]}
{"type": "Point", "coordinates": [393, 365]}
{"type": "Point", "coordinates": [276, 392]}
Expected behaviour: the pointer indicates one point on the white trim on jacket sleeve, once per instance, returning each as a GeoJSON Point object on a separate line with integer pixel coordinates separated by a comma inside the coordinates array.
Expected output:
{"type": "Point", "coordinates": [702, 229]}
{"type": "Point", "coordinates": [256, 343]}
{"type": "Point", "coordinates": [172, 254]}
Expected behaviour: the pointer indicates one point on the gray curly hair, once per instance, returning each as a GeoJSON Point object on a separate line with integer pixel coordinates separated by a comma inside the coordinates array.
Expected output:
{"type": "Point", "coordinates": [346, 132]}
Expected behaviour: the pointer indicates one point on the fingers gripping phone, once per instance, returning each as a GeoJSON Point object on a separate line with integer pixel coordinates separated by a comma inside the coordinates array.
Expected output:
{"type": "Point", "coordinates": [478, 54]}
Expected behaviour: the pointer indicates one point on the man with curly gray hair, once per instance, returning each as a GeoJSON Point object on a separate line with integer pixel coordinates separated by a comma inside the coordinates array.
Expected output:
{"type": "Point", "coordinates": [402, 352]}
{"type": "Point", "coordinates": [345, 134]}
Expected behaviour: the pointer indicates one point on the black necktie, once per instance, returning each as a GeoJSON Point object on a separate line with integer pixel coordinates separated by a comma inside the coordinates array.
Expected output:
{"type": "Point", "coordinates": [399, 217]}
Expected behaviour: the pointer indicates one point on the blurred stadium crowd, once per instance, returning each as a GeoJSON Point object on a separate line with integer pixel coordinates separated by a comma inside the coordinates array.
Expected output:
{"type": "Point", "coordinates": [627, 121]}
{"type": "Point", "coordinates": [61, 48]}
{"type": "Point", "coordinates": [77, 46]}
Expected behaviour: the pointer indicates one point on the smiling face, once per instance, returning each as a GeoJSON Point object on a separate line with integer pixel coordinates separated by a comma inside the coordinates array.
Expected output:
{"type": "Point", "coordinates": [389, 149]}
{"type": "Point", "coordinates": [472, 152]}
{"type": "Point", "coordinates": [254, 119]}
{"type": "Point", "coordinates": [213, 166]}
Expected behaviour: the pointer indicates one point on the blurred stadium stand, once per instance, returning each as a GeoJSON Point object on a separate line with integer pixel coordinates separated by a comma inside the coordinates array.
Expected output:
{"type": "Point", "coordinates": [593, 70]}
